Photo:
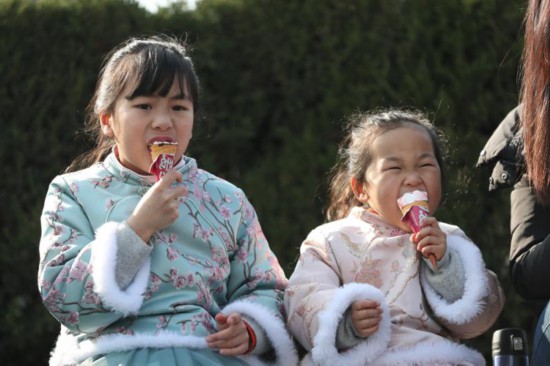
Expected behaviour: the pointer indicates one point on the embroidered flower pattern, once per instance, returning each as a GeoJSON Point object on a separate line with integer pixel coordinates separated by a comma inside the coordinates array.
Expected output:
{"type": "Point", "coordinates": [217, 231]}
{"type": "Point", "coordinates": [369, 252]}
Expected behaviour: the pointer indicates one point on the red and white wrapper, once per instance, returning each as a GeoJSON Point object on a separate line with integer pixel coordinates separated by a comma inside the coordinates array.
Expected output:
{"type": "Point", "coordinates": [163, 155]}
{"type": "Point", "coordinates": [414, 208]}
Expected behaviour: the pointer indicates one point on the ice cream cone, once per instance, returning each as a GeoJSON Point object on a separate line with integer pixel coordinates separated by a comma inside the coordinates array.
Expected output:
{"type": "Point", "coordinates": [414, 208]}
{"type": "Point", "coordinates": [163, 155]}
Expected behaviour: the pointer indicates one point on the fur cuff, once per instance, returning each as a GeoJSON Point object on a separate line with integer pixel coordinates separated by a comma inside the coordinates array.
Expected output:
{"type": "Point", "coordinates": [324, 344]}
{"type": "Point", "coordinates": [475, 288]}
{"type": "Point", "coordinates": [437, 353]}
{"type": "Point", "coordinates": [274, 329]}
{"type": "Point", "coordinates": [103, 263]}
{"type": "Point", "coordinates": [69, 352]}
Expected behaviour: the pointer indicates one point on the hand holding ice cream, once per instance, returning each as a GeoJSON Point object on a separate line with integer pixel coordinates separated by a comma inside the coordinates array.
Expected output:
{"type": "Point", "coordinates": [415, 210]}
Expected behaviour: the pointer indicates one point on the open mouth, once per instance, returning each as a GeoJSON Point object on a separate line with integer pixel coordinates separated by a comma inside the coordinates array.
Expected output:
{"type": "Point", "coordinates": [160, 141]}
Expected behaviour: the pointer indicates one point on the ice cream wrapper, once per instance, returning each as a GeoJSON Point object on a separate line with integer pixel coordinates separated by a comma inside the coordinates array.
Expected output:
{"type": "Point", "coordinates": [414, 217]}
{"type": "Point", "coordinates": [163, 155]}
{"type": "Point", "coordinates": [414, 208]}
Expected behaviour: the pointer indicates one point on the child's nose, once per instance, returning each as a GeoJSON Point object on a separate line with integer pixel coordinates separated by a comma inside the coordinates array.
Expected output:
{"type": "Point", "coordinates": [162, 121]}
{"type": "Point", "coordinates": [413, 179]}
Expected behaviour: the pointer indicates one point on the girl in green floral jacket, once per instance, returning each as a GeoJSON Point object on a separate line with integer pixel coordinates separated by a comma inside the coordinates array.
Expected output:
{"type": "Point", "coordinates": [139, 271]}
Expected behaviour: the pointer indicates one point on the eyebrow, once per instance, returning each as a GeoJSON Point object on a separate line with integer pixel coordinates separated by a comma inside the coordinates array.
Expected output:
{"type": "Point", "coordinates": [178, 96]}
{"type": "Point", "coordinates": [392, 159]}
{"type": "Point", "coordinates": [427, 155]}
{"type": "Point", "coordinates": [398, 159]}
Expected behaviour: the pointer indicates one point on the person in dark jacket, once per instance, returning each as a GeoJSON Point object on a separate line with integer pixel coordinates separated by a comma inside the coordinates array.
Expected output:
{"type": "Point", "coordinates": [519, 152]}
{"type": "Point", "coordinates": [529, 224]}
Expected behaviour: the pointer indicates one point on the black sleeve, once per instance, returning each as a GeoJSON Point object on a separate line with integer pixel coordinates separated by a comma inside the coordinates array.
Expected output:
{"type": "Point", "coordinates": [502, 152]}
{"type": "Point", "coordinates": [530, 246]}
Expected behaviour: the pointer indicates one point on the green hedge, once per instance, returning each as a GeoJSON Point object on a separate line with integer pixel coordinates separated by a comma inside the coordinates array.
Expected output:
{"type": "Point", "coordinates": [278, 78]}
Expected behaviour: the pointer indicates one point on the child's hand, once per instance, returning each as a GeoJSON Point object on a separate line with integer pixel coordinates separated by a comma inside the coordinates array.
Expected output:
{"type": "Point", "coordinates": [159, 207]}
{"type": "Point", "coordinates": [366, 316]}
{"type": "Point", "coordinates": [232, 338]}
{"type": "Point", "coordinates": [431, 239]}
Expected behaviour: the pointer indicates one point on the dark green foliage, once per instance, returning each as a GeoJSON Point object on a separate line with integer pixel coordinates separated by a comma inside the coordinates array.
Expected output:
{"type": "Point", "coordinates": [278, 78]}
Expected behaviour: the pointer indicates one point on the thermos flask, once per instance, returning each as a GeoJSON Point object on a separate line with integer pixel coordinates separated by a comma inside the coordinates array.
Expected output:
{"type": "Point", "coordinates": [509, 347]}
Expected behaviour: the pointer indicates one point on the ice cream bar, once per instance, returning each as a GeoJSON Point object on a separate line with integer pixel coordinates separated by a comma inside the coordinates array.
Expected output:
{"type": "Point", "coordinates": [414, 208]}
{"type": "Point", "coordinates": [163, 155]}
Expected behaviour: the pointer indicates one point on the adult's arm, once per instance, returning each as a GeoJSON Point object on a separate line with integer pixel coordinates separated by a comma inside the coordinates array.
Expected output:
{"type": "Point", "coordinates": [530, 246]}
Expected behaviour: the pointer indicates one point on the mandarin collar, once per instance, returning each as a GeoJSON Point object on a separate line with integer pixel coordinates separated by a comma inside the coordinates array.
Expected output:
{"type": "Point", "coordinates": [187, 166]}
{"type": "Point", "coordinates": [381, 225]}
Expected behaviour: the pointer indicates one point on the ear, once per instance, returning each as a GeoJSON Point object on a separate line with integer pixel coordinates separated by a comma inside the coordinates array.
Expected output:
{"type": "Point", "coordinates": [106, 119]}
{"type": "Point", "coordinates": [359, 190]}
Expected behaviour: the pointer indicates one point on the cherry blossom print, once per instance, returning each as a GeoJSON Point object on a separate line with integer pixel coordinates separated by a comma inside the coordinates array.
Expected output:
{"type": "Point", "coordinates": [225, 212]}
{"type": "Point", "coordinates": [218, 274]}
{"type": "Point", "coordinates": [162, 322]}
{"type": "Point", "coordinates": [90, 296]}
{"type": "Point", "coordinates": [58, 229]}
{"type": "Point", "coordinates": [104, 182]}
{"type": "Point", "coordinates": [229, 244]}
{"type": "Point", "coordinates": [216, 234]}
{"type": "Point", "coordinates": [172, 254]}
{"type": "Point", "coordinates": [78, 272]}
{"type": "Point", "coordinates": [125, 330]}
{"type": "Point", "coordinates": [219, 256]}
{"type": "Point", "coordinates": [193, 173]}
{"type": "Point", "coordinates": [199, 193]}
{"type": "Point", "coordinates": [53, 299]}
{"type": "Point", "coordinates": [124, 174]}
{"type": "Point", "coordinates": [203, 319]}
{"type": "Point", "coordinates": [57, 260]}
{"type": "Point", "coordinates": [109, 203]}
{"type": "Point", "coordinates": [242, 254]}
{"type": "Point", "coordinates": [73, 188]}
{"type": "Point", "coordinates": [205, 234]}
{"type": "Point", "coordinates": [62, 276]}
{"type": "Point", "coordinates": [185, 193]}
{"type": "Point", "coordinates": [73, 318]}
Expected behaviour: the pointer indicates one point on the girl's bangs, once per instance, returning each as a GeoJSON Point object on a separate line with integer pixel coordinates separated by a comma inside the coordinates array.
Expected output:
{"type": "Point", "coordinates": [156, 72]}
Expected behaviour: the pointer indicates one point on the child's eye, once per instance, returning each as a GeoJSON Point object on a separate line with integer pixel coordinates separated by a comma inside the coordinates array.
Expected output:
{"type": "Point", "coordinates": [143, 106]}
{"type": "Point", "coordinates": [180, 108]}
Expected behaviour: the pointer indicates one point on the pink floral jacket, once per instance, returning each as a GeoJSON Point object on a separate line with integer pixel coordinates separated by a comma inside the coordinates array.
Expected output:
{"type": "Point", "coordinates": [363, 257]}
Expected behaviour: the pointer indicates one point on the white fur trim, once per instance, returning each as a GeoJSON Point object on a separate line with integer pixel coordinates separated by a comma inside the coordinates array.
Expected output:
{"type": "Point", "coordinates": [103, 263]}
{"type": "Point", "coordinates": [324, 343]}
{"type": "Point", "coordinates": [436, 353]}
{"type": "Point", "coordinates": [475, 286]}
{"type": "Point", "coordinates": [60, 357]}
{"type": "Point", "coordinates": [274, 328]}
{"type": "Point", "coordinates": [69, 352]}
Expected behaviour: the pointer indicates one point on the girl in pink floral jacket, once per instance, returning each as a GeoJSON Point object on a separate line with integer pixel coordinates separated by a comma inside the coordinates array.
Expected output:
{"type": "Point", "coordinates": [364, 291]}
